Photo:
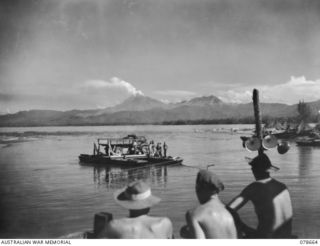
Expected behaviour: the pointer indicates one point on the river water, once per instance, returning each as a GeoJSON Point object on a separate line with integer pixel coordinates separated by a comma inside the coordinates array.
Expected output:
{"type": "Point", "coordinates": [45, 193]}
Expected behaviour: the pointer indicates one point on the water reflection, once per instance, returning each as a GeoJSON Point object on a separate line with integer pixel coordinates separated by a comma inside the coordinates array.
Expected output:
{"type": "Point", "coordinates": [115, 177]}
{"type": "Point", "coordinates": [305, 161]}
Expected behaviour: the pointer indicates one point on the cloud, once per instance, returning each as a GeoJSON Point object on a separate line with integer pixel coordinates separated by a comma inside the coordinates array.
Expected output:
{"type": "Point", "coordinates": [114, 84]}
{"type": "Point", "coordinates": [297, 88]}
{"type": "Point", "coordinates": [166, 101]}
{"type": "Point", "coordinates": [178, 93]}
{"type": "Point", "coordinates": [6, 111]}
{"type": "Point", "coordinates": [174, 96]}
{"type": "Point", "coordinates": [232, 96]}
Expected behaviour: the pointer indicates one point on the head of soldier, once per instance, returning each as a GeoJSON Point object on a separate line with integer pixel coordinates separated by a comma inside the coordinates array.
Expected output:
{"type": "Point", "coordinates": [207, 185]}
{"type": "Point", "coordinates": [261, 167]}
{"type": "Point", "coordinates": [137, 198]}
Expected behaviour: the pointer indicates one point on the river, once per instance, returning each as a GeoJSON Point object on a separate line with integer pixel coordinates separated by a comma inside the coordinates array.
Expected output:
{"type": "Point", "coordinates": [45, 193]}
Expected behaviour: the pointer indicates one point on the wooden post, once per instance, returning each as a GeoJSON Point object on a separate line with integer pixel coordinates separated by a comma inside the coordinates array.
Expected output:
{"type": "Point", "coordinates": [257, 117]}
{"type": "Point", "coordinates": [100, 221]}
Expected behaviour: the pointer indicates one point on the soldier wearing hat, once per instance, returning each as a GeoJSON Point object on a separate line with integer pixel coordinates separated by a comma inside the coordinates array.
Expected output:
{"type": "Point", "coordinates": [271, 200]}
{"type": "Point", "coordinates": [211, 219]}
{"type": "Point", "coordinates": [138, 199]}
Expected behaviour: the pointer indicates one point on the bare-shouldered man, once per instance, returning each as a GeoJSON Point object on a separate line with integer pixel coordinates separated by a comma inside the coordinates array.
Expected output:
{"type": "Point", "coordinates": [211, 219]}
{"type": "Point", "coordinates": [138, 199]}
{"type": "Point", "coordinates": [142, 226]}
{"type": "Point", "coordinates": [271, 200]}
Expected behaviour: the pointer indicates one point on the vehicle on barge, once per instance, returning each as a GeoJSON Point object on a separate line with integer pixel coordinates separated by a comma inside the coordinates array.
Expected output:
{"type": "Point", "coordinates": [128, 151]}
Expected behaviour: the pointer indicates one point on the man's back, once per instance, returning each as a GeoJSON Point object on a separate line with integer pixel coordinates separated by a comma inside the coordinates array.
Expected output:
{"type": "Point", "coordinates": [273, 207]}
{"type": "Point", "coordinates": [140, 227]}
{"type": "Point", "coordinates": [211, 220]}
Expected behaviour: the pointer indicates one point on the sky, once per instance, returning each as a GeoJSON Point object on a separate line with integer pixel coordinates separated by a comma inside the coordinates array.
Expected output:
{"type": "Point", "coordinates": [87, 54]}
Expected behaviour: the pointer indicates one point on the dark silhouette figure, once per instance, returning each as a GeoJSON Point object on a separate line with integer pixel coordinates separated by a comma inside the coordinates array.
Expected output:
{"type": "Point", "coordinates": [271, 200]}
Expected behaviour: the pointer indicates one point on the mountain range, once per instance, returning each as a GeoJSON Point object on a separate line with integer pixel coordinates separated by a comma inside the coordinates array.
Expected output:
{"type": "Point", "coordinates": [141, 109]}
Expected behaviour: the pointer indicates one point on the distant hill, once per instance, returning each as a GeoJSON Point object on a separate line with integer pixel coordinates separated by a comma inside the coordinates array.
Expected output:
{"type": "Point", "coordinates": [138, 103]}
{"type": "Point", "coordinates": [145, 110]}
{"type": "Point", "coordinates": [201, 101]}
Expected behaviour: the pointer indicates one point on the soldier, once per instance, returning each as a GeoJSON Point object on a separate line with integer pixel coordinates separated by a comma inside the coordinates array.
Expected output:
{"type": "Point", "coordinates": [165, 148]}
{"type": "Point", "coordinates": [271, 200]}
{"type": "Point", "coordinates": [138, 199]}
{"type": "Point", "coordinates": [211, 219]}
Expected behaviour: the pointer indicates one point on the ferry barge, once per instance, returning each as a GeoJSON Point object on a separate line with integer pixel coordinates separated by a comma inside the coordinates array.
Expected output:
{"type": "Point", "coordinates": [128, 151]}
